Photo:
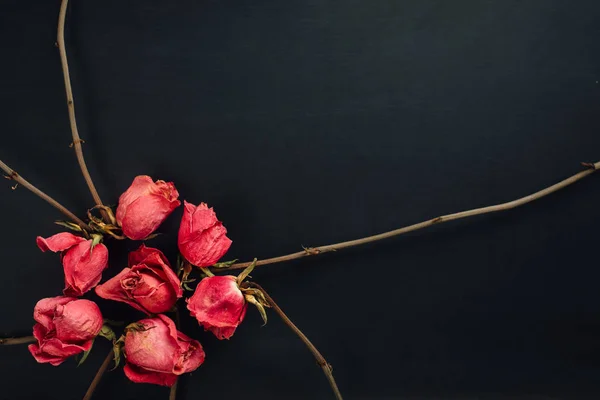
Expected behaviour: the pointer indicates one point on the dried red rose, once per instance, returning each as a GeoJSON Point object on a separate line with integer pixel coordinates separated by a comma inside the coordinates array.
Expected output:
{"type": "Point", "coordinates": [157, 352]}
{"type": "Point", "coordinates": [202, 237]}
{"type": "Point", "coordinates": [218, 305]}
{"type": "Point", "coordinates": [149, 284]}
{"type": "Point", "coordinates": [66, 326]}
{"type": "Point", "coordinates": [145, 205]}
{"type": "Point", "coordinates": [83, 265]}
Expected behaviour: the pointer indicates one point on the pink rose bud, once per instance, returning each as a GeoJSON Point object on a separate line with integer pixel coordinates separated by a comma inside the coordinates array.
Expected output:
{"type": "Point", "coordinates": [157, 352]}
{"type": "Point", "coordinates": [66, 326]}
{"type": "Point", "coordinates": [149, 284]}
{"type": "Point", "coordinates": [145, 205]}
{"type": "Point", "coordinates": [218, 305]}
{"type": "Point", "coordinates": [202, 239]}
{"type": "Point", "coordinates": [83, 265]}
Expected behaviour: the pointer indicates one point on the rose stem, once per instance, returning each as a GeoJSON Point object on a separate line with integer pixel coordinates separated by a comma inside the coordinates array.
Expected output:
{"type": "Point", "coordinates": [60, 41]}
{"type": "Point", "coordinates": [21, 340]}
{"type": "Point", "coordinates": [591, 168]}
{"type": "Point", "coordinates": [173, 391]}
{"type": "Point", "coordinates": [320, 359]}
{"type": "Point", "coordinates": [98, 377]}
{"type": "Point", "coordinates": [13, 175]}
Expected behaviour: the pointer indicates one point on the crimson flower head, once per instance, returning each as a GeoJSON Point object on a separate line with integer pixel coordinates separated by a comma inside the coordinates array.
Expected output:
{"type": "Point", "coordinates": [66, 326]}
{"type": "Point", "coordinates": [202, 237]}
{"type": "Point", "coordinates": [149, 284]}
{"type": "Point", "coordinates": [219, 305]}
{"type": "Point", "coordinates": [83, 265]}
{"type": "Point", "coordinates": [157, 352]}
{"type": "Point", "coordinates": [145, 205]}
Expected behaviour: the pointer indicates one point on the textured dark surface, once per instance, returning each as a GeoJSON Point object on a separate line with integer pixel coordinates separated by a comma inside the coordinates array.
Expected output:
{"type": "Point", "coordinates": [308, 122]}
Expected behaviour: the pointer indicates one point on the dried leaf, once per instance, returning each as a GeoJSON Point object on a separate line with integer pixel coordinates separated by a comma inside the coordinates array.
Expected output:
{"type": "Point", "coordinates": [224, 264]}
{"type": "Point", "coordinates": [69, 225]}
{"type": "Point", "coordinates": [96, 239]}
{"type": "Point", "coordinates": [261, 309]}
{"type": "Point", "coordinates": [107, 332]}
{"type": "Point", "coordinates": [85, 355]}
{"type": "Point", "coordinates": [246, 272]}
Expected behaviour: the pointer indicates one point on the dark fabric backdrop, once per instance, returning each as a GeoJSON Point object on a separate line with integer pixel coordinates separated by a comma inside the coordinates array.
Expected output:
{"type": "Point", "coordinates": [309, 122]}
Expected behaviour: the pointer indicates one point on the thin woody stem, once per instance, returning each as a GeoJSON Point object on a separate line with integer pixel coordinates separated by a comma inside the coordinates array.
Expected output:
{"type": "Point", "coordinates": [20, 340]}
{"type": "Point", "coordinates": [98, 377]}
{"type": "Point", "coordinates": [591, 168]}
{"type": "Point", "coordinates": [13, 175]}
{"type": "Point", "coordinates": [71, 106]}
{"type": "Point", "coordinates": [318, 356]}
{"type": "Point", "coordinates": [173, 391]}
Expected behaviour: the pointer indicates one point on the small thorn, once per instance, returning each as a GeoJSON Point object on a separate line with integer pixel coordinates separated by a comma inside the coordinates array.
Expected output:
{"type": "Point", "coordinates": [12, 176]}
{"type": "Point", "coordinates": [77, 141]}
{"type": "Point", "coordinates": [15, 186]}
{"type": "Point", "coordinates": [311, 251]}
{"type": "Point", "coordinates": [589, 165]}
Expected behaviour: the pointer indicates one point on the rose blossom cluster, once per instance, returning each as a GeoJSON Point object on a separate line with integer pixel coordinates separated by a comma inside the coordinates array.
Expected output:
{"type": "Point", "coordinates": [155, 351]}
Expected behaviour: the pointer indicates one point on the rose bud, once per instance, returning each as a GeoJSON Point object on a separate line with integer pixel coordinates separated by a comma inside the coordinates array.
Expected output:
{"type": "Point", "coordinates": [149, 284]}
{"type": "Point", "coordinates": [83, 265]}
{"type": "Point", "coordinates": [218, 305]}
{"type": "Point", "coordinates": [145, 205]}
{"type": "Point", "coordinates": [202, 239]}
{"type": "Point", "coordinates": [157, 352]}
{"type": "Point", "coordinates": [66, 326]}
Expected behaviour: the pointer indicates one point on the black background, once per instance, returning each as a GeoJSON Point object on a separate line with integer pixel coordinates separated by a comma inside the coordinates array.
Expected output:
{"type": "Point", "coordinates": [309, 122]}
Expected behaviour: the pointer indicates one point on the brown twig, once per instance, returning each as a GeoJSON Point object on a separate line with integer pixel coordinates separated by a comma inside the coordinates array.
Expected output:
{"type": "Point", "coordinates": [13, 175]}
{"type": "Point", "coordinates": [98, 377]}
{"type": "Point", "coordinates": [20, 340]}
{"type": "Point", "coordinates": [318, 356]}
{"type": "Point", "coordinates": [60, 41]}
{"type": "Point", "coordinates": [591, 168]}
{"type": "Point", "coordinates": [173, 391]}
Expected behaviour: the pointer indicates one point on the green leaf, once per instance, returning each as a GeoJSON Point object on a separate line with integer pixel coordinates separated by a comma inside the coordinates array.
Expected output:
{"type": "Point", "coordinates": [85, 354]}
{"type": "Point", "coordinates": [96, 239]}
{"type": "Point", "coordinates": [117, 356]}
{"type": "Point", "coordinates": [245, 273]}
{"type": "Point", "coordinates": [261, 309]}
{"type": "Point", "coordinates": [69, 225]}
{"type": "Point", "coordinates": [179, 263]}
{"type": "Point", "coordinates": [107, 332]}
{"type": "Point", "coordinates": [225, 264]}
{"type": "Point", "coordinates": [138, 327]}
{"type": "Point", "coordinates": [117, 346]}
{"type": "Point", "coordinates": [152, 236]}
